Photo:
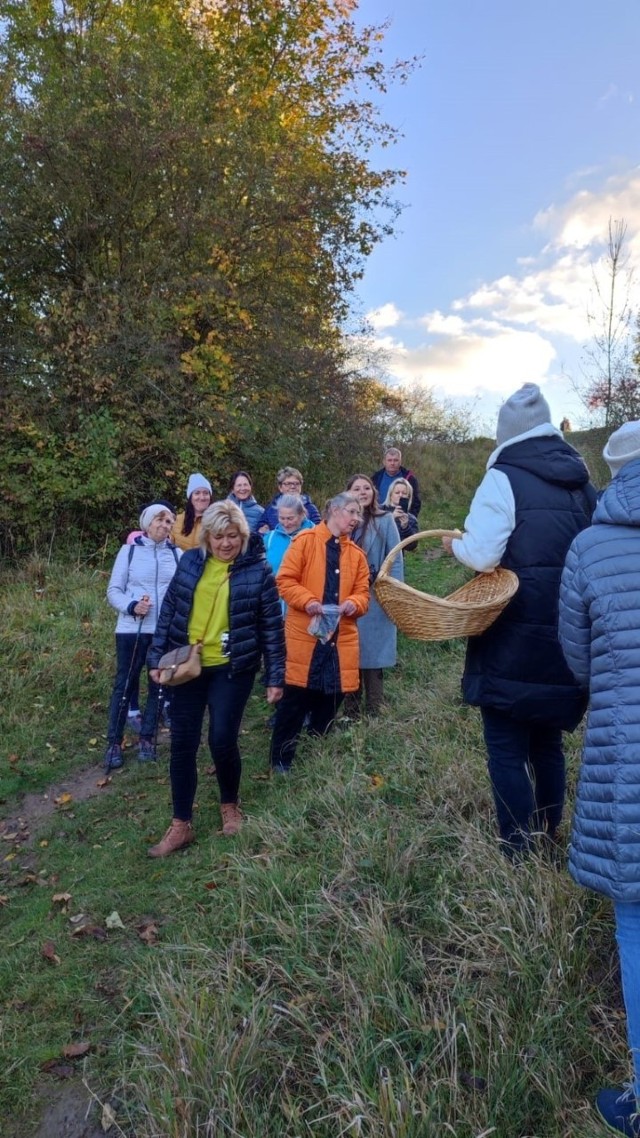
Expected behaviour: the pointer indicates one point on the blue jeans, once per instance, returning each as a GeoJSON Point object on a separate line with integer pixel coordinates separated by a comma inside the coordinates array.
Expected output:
{"type": "Point", "coordinates": [527, 772]}
{"type": "Point", "coordinates": [225, 695]}
{"type": "Point", "coordinates": [628, 937]}
{"type": "Point", "coordinates": [131, 653]}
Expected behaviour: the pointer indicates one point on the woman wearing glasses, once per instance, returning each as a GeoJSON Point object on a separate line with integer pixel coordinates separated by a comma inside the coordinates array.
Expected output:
{"type": "Point", "coordinates": [322, 572]}
{"type": "Point", "coordinates": [289, 482]}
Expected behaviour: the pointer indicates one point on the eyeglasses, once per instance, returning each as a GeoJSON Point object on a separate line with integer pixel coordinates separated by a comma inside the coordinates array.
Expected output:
{"type": "Point", "coordinates": [291, 484]}
{"type": "Point", "coordinates": [352, 511]}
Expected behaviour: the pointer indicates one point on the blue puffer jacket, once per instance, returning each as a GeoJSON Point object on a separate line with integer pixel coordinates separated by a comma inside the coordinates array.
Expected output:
{"type": "Point", "coordinates": [252, 510]}
{"type": "Point", "coordinates": [256, 629]}
{"type": "Point", "coordinates": [600, 637]}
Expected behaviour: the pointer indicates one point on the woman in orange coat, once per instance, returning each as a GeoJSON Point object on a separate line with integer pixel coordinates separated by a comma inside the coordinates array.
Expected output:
{"type": "Point", "coordinates": [321, 568]}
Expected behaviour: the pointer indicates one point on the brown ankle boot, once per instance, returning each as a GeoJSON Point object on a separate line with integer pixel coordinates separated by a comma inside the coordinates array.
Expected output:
{"type": "Point", "coordinates": [179, 835]}
{"type": "Point", "coordinates": [231, 819]}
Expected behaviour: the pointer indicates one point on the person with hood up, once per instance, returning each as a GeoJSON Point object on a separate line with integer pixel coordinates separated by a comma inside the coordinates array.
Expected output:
{"type": "Point", "coordinates": [186, 530]}
{"type": "Point", "coordinates": [533, 500]}
{"type": "Point", "coordinates": [600, 636]}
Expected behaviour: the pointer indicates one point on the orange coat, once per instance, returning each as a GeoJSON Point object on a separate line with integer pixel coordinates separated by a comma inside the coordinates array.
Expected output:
{"type": "Point", "coordinates": [301, 579]}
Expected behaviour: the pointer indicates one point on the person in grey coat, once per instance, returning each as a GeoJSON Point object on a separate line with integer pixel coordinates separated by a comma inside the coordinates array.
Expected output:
{"type": "Point", "coordinates": [599, 630]}
{"type": "Point", "coordinates": [376, 535]}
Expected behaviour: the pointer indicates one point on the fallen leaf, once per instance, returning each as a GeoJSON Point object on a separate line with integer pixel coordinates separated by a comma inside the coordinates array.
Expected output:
{"type": "Point", "coordinates": [49, 747]}
{"type": "Point", "coordinates": [93, 742]}
{"type": "Point", "coordinates": [57, 1069]}
{"type": "Point", "coordinates": [104, 781]}
{"type": "Point", "coordinates": [13, 759]}
{"type": "Point", "coordinates": [95, 931]}
{"type": "Point", "coordinates": [211, 884]}
{"type": "Point", "coordinates": [10, 857]}
{"type": "Point", "coordinates": [377, 780]}
{"type": "Point", "coordinates": [4, 900]}
{"type": "Point", "coordinates": [113, 921]}
{"type": "Point", "coordinates": [78, 917]}
{"type": "Point", "coordinates": [148, 933]}
{"type": "Point", "coordinates": [48, 950]}
{"type": "Point", "coordinates": [76, 1050]}
{"type": "Point", "coordinates": [108, 1117]}
{"type": "Point", "coordinates": [43, 844]}
{"type": "Point", "coordinates": [61, 898]}
{"type": "Point", "coordinates": [63, 799]}
{"type": "Point", "coordinates": [9, 837]}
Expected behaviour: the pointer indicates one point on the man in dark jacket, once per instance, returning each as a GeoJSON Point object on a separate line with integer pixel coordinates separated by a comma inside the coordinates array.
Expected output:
{"type": "Point", "coordinates": [391, 470]}
{"type": "Point", "coordinates": [533, 500]}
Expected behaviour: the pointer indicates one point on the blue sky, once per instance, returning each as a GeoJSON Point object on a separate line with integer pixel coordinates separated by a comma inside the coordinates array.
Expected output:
{"type": "Point", "coordinates": [521, 138]}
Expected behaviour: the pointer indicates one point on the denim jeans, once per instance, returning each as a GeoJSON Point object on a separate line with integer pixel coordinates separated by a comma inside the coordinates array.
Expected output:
{"type": "Point", "coordinates": [225, 695]}
{"type": "Point", "coordinates": [291, 713]}
{"type": "Point", "coordinates": [628, 937]}
{"type": "Point", "coordinates": [131, 653]}
{"type": "Point", "coordinates": [527, 772]}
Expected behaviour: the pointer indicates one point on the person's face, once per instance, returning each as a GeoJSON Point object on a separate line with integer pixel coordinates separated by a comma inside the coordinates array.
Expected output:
{"type": "Point", "coordinates": [290, 485]}
{"type": "Point", "coordinates": [227, 546]}
{"type": "Point", "coordinates": [347, 518]}
{"type": "Point", "coordinates": [289, 520]}
{"type": "Point", "coordinates": [398, 492]}
{"type": "Point", "coordinates": [363, 491]}
{"type": "Point", "coordinates": [160, 527]}
{"type": "Point", "coordinates": [242, 488]}
{"type": "Point", "coordinates": [392, 463]}
{"type": "Point", "coordinates": [200, 499]}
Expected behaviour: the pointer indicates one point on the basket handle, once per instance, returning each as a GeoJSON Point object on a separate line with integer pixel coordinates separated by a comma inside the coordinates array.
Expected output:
{"type": "Point", "coordinates": [389, 559]}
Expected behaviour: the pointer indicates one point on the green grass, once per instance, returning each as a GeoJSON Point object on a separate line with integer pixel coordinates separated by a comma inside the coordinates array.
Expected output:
{"type": "Point", "coordinates": [360, 961]}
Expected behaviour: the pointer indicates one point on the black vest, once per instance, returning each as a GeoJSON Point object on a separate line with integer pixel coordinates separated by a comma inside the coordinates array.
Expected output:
{"type": "Point", "coordinates": [517, 666]}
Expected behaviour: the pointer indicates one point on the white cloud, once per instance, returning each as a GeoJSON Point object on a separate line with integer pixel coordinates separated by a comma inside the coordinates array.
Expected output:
{"type": "Point", "coordinates": [387, 316]}
{"type": "Point", "coordinates": [522, 326]}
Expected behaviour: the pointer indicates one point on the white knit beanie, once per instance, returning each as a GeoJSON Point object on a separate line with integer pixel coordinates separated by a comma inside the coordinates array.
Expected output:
{"type": "Point", "coordinates": [151, 512]}
{"type": "Point", "coordinates": [197, 482]}
{"type": "Point", "coordinates": [525, 409]}
{"type": "Point", "coordinates": [623, 446]}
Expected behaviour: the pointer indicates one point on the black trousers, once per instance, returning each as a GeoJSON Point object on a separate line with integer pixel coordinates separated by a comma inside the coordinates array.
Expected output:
{"type": "Point", "coordinates": [291, 712]}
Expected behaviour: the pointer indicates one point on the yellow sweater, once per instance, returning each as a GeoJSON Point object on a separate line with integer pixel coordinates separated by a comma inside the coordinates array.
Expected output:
{"type": "Point", "coordinates": [190, 540]}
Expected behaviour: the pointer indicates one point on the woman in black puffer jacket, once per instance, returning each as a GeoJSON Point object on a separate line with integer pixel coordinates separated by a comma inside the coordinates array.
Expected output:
{"type": "Point", "coordinates": [223, 596]}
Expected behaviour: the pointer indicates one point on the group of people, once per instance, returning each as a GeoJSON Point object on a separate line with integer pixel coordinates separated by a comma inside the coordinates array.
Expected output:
{"type": "Point", "coordinates": [207, 576]}
{"type": "Point", "coordinates": [291, 591]}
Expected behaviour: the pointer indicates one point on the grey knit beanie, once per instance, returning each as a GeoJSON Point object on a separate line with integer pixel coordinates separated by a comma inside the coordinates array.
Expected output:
{"type": "Point", "coordinates": [198, 482]}
{"type": "Point", "coordinates": [623, 446]}
{"type": "Point", "coordinates": [523, 410]}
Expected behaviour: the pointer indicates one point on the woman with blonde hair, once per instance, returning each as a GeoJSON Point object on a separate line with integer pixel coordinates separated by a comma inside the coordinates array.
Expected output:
{"type": "Point", "coordinates": [224, 597]}
{"type": "Point", "coordinates": [398, 503]}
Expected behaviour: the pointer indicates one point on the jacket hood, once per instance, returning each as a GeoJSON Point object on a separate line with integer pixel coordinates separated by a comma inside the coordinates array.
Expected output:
{"type": "Point", "coordinates": [619, 503]}
{"type": "Point", "coordinates": [548, 457]}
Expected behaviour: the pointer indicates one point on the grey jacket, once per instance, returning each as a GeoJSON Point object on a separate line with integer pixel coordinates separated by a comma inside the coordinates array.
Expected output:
{"type": "Point", "coordinates": [600, 636]}
{"type": "Point", "coordinates": [143, 568]}
{"type": "Point", "coordinates": [378, 635]}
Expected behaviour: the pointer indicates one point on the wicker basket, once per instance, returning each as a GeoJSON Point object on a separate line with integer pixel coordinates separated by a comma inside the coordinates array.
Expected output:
{"type": "Point", "coordinates": [467, 612]}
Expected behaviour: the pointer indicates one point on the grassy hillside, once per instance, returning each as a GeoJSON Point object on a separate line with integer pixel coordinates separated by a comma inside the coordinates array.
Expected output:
{"type": "Point", "coordinates": [360, 961]}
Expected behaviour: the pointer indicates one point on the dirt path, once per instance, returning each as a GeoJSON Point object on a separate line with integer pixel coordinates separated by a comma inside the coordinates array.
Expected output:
{"type": "Point", "coordinates": [25, 822]}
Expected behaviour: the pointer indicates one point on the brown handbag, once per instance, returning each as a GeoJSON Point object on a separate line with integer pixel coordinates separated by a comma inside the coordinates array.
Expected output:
{"type": "Point", "coordinates": [180, 665]}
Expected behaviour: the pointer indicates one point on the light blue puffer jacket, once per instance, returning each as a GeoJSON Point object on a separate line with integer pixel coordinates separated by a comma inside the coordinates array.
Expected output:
{"type": "Point", "coordinates": [600, 637]}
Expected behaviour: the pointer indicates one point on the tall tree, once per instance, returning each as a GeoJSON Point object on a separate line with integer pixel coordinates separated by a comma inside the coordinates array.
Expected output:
{"type": "Point", "coordinates": [186, 199]}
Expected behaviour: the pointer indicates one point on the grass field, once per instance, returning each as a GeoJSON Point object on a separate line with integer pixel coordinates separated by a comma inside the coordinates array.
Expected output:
{"type": "Point", "coordinates": [360, 961]}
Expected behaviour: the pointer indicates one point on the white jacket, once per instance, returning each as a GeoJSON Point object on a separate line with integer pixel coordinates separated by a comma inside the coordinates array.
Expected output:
{"type": "Point", "coordinates": [144, 568]}
{"type": "Point", "coordinates": [492, 514]}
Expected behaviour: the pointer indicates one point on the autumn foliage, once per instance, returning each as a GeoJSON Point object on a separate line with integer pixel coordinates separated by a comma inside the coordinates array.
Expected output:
{"type": "Point", "coordinates": [188, 193]}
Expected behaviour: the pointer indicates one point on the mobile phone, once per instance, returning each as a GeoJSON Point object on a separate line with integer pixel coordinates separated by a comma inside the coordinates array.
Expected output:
{"type": "Point", "coordinates": [404, 505]}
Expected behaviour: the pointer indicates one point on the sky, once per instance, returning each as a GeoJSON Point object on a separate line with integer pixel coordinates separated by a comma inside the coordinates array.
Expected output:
{"type": "Point", "coordinates": [521, 141]}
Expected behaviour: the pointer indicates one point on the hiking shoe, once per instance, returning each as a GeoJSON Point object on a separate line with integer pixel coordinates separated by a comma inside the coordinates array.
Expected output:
{"type": "Point", "coordinates": [179, 835]}
{"type": "Point", "coordinates": [113, 757]}
{"type": "Point", "coordinates": [134, 722]}
{"type": "Point", "coordinates": [146, 751]}
{"type": "Point", "coordinates": [618, 1110]}
{"type": "Point", "coordinates": [231, 819]}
